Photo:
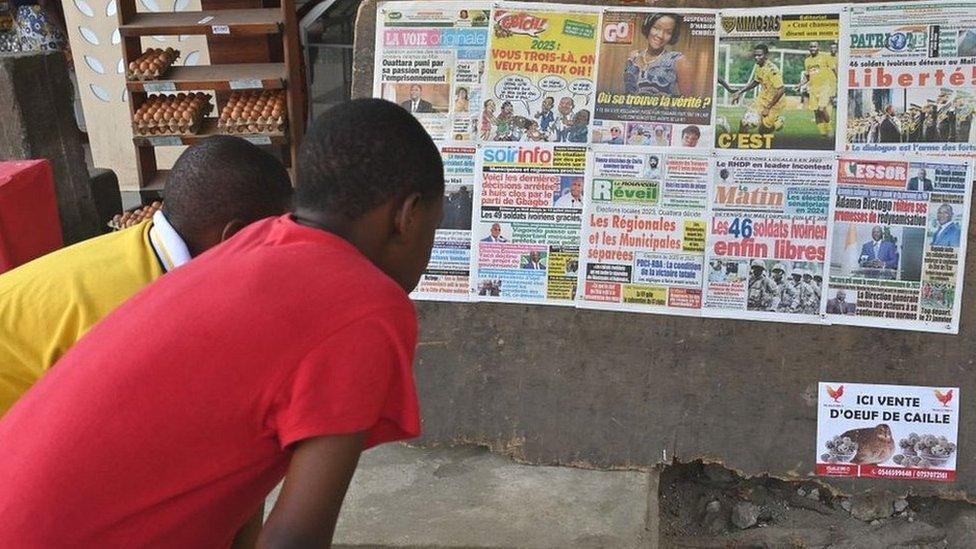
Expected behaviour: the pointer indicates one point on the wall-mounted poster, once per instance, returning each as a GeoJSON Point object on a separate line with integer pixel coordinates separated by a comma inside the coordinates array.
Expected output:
{"type": "Point", "coordinates": [912, 85]}
{"type": "Point", "coordinates": [777, 78]}
{"type": "Point", "coordinates": [887, 431]}
{"type": "Point", "coordinates": [430, 60]}
{"type": "Point", "coordinates": [527, 223]}
{"type": "Point", "coordinates": [541, 77]}
{"type": "Point", "coordinates": [898, 248]}
{"type": "Point", "coordinates": [654, 84]}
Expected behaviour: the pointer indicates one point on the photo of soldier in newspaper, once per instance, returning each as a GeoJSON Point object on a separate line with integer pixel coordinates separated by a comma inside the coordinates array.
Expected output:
{"type": "Point", "coordinates": [911, 115]}
{"type": "Point", "coordinates": [909, 73]}
{"type": "Point", "coordinates": [655, 67]}
{"type": "Point", "coordinates": [777, 81]}
{"type": "Point", "coordinates": [784, 286]}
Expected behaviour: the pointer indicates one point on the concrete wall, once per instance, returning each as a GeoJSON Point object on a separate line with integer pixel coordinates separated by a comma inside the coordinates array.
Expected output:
{"type": "Point", "coordinates": [550, 385]}
{"type": "Point", "coordinates": [37, 121]}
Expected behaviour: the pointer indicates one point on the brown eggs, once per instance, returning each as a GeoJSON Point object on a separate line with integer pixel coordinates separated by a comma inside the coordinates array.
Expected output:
{"type": "Point", "coordinates": [253, 112]}
{"type": "Point", "coordinates": [152, 64]}
{"type": "Point", "coordinates": [179, 114]}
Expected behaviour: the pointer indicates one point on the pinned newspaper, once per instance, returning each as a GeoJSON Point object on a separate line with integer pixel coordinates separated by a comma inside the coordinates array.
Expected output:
{"type": "Point", "coordinates": [644, 223]}
{"type": "Point", "coordinates": [446, 277]}
{"type": "Point", "coordinates": [912, 78]}
{"type": "Point", "coordinates": [767, 236]}
{"type": "Point", "coordinates": [541, 78]}
{"type": "Point", "coordinates": [527, 223]}
{"type": "Point", "coordinates": [655, 81]}
{"type": "Point", "coordinates": [887, 431]}
{"type": "Point", "coordinates": [431, 60]}
{"type": "Point", "coordinates": [777, 78]}
{"type": "Point", "coordinates": [898, 248]}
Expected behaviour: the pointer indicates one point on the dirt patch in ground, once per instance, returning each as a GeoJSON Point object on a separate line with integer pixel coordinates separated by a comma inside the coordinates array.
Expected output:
{"type": "Point", "coordinates": [705, 505]}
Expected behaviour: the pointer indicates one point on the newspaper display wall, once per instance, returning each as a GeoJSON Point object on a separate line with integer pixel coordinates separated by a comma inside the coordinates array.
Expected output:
{"type": "Point", "coordinates": [789, 233]}
{"type": "Point", "coordinates": [887, 431]}
{"type": "Point", "coordinates": [899, 242]}
{"type": "Point", "coordinates": [767, 236]}
{"type": "Point", "coordinates": [777, 78]}
{"type": "Point", "coordinates": [446, 277]}
{"type": "Point", "coordinates": [527, 223]}
{"type": "Point", "coordinates": [541, 74]}
{"type": "Point", "coordinates": [654, 84]}
{"type": "Point", "coordinates": [643, 239]}
{"type": "Point", "coordinates": [912, 78]}
{"type": "Point", "coordinates": [430, 59]}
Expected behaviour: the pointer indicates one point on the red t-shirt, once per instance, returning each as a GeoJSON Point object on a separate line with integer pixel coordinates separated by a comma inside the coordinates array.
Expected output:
{"type": "Point", "coordinates": [172, 419]}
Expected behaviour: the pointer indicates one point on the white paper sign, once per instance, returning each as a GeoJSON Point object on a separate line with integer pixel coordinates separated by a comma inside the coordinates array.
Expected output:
{"type": "Point", "coordinates": [887, 431]}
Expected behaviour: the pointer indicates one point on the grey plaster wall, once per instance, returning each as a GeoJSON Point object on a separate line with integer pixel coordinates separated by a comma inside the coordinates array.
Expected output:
{"type": "Point", "coordinates": [551, 385]}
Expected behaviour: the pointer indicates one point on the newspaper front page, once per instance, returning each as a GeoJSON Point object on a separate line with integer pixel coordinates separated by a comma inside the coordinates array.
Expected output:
{"type": "Point", "coordinates": [899, 242]}
{"type": "Point", "coordinates": [912, 78]}
{"type": "Point", "coordinates": [777, 78]}
{"type": "Point", "coordinates": [446, 276]}
{"type": "Point", "coordinates": [767, 236]}
{"type": "Point", "coordinates": [643, 241]}
{"type": "Point", "coordinates": [541, 76]}
{"type": "Point", "coordinates": [527, 223]}
{"type": "Point", "coordinates": [431, 60]}
{"type": "Point", "coordinates": [655, 78]}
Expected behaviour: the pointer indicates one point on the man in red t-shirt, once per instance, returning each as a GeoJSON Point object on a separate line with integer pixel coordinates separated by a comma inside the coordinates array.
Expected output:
{"type": "Point", "coordinates": [287, 349]}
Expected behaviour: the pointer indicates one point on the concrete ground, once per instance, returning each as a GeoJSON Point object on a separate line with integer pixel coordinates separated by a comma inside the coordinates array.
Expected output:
{"type": "Point", "coordinates": [467, 497]}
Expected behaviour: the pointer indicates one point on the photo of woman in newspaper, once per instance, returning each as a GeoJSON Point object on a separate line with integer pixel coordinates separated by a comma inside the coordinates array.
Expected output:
{"type": "Point", "coordinates": [658, 68]}
{"type": "Point", "coordinates": [654, 74]}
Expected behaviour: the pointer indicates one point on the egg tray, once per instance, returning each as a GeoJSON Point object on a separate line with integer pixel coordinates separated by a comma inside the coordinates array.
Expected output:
{"type": "Point", "coordinates": [134, 217]}
{"type": "Point", "coordinates": [253, 126]}
{"type": "Point", "coordinates": [152, 64]}
{"type": "Point", "coordinates": [252, 112]}
{"type": "Point", "coordinates": [178, 115]}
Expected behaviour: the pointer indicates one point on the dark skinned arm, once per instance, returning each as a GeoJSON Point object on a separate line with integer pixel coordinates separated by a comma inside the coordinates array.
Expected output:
{"type": "Point", "coordinates": [742, 91]}
{"type": "Point", "coordinates": [247, 536]}
{"type": "Point", "coordinates": [306, 511]}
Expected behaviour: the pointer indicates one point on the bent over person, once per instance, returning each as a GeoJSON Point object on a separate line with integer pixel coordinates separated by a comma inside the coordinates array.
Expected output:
{"type": "Point", "coordinates": [287, 349]}
{"type": "Point", "coordinates": [214, 189]}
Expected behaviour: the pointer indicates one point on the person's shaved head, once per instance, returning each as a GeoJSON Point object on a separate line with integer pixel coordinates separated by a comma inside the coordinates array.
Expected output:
{"type": "Point", "coordinates": [363, 153]}
{"type": "Point", "coordinates": [220, 185]}
{"type": "Point", "coordinates": [369, 173]}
